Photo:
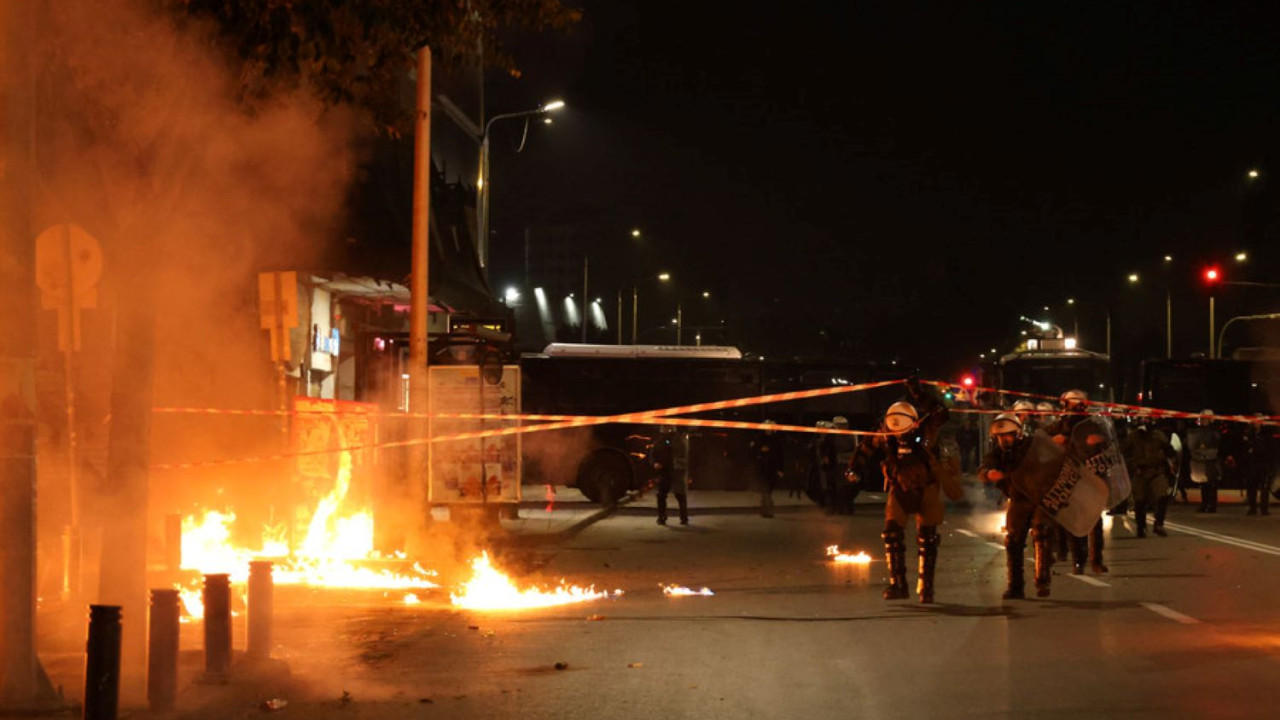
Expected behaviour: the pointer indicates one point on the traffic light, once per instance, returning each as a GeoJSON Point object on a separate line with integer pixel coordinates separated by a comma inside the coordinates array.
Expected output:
{"type": "Point", "coordinates": [967, 382]}
{"type": "Point", "coordinates": [1212, 276]}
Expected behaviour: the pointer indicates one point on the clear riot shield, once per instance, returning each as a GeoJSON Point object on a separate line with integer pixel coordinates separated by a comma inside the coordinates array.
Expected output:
{"type": "Point", "coordinates": [1203, 442]}
{"type": "Point", "coordinates": [1175, 464]}
{"type": "Point", "coordinates": [1093, 443]}
{"type": "Point", "coordinates": [1067, 489]}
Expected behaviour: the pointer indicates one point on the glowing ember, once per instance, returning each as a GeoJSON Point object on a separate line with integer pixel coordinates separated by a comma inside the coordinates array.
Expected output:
{"type": "Point", "coordinates": [489, 589]}
{"type": "Point", "coordinates": [861, 558]}
{"type": "Point", "coordinates": [677, 591]}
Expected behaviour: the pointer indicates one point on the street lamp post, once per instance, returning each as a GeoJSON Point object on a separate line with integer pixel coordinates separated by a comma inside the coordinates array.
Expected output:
{"type": "Point", "coordinates": [482, 183]}
{"type": "Point", "coordinates": [635, 301]}
{"type": "Point", "coordinates": [1227, 324]}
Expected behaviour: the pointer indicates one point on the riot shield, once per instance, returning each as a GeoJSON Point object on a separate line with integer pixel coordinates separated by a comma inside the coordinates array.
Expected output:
{"type": "Point", "coordinates": [1068, 490]}
{"type": "Point", "coordinates": [1093, 443]}
{"type": "Point", "coordinates": [1203, 442]}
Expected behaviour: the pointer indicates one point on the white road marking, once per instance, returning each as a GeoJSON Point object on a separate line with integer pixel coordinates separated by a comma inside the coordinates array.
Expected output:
{"type": "Point", "coordinates": [1090, 580]}
{"type": "Point", "coordinates": [967, 533]}
{"type": "Point", "coordinates": [997, 546]}
{"type": "Point", "coordinates": [1170, 613]}
{"type": "Point", "coordinates": [1225, 539]}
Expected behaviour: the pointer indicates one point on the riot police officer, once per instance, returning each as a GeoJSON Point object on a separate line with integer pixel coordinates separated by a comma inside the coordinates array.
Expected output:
{"type": "Point", "coordinates": [1074, 408]}
{"type": "Point", "coordinates": [664, 463]}
{"type": "Point", "coordinates": [914, 489]}
{"type": "Point", "coordinates": [1009, 446]}
{"type": "Point", "coordinates": [1023, 410]}
{"type": "Point", "coordinates": [1147, 453]}
{"type": "Point", "coordinates": [1206, 464]}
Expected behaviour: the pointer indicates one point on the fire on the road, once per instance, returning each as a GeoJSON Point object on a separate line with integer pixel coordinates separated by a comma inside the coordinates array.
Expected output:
{"type": "Point", "coordinates": [338, 550]}
{"type": "Point", "coordinates": [677, 591]}
{"type": "Point", "coordinates": [860, 558]}
{"type": "Point", "coordinates": [490, 589]}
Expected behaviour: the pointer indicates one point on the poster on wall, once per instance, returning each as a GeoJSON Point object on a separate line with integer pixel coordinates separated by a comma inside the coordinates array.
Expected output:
{"type": "Point", "coordinates": [474, 470]}
{"type": "Point", "coordinates": [322, 428]}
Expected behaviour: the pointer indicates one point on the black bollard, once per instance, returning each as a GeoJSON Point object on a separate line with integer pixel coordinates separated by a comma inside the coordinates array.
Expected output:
{"type": "Point", "coordinates": [261, 608]}
{"type": "Point", "coordinates": [102, 665]}
{"type": "Point", "coordinates": [217, 627]}
{"type": "Point", "coordinates": [162, 656]}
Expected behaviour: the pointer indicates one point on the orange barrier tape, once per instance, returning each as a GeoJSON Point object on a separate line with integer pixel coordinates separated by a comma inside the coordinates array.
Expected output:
{"type": "Point", "coordinates": [1107, 406]}
{"type": "Point", "coordinates": [566, 421]}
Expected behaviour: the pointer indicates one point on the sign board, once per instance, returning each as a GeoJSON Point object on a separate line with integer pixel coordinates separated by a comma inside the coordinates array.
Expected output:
{"type": "Point", "coordinates": [68, 265]}
{"type": "Point", "coordinates": [477, 470]}
{"type": "Point", "coordinates": [278, 309]}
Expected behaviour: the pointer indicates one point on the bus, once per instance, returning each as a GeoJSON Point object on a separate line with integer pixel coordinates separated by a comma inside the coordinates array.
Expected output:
{"type": "Point", "coordinates": [1051, 366]}
{"type": "Point", "coordinates": [606, 461]}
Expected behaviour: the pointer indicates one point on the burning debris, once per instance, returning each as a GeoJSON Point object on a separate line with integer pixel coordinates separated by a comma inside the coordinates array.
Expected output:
{"type": "Point", "coordinates": [490, 589]}
{"type": "Point", "coordinates": [861, 558]}
{"type": "Point", "coordinates": [677, 591]}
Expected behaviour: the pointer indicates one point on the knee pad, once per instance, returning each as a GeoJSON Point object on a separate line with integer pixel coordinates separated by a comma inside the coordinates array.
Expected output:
{"type": "Point", "coordinates": [892, 534]}
{"type": "Point", "coordinates": [929, 537]}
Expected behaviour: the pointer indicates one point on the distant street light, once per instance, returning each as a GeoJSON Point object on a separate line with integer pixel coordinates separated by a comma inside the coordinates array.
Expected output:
{"type": "Point", "coordinates": [1253, 174]}
{"type": "Point", "coordinates": [635, 232]}
{"type": "Point", "coordinates": [482, 182]}
{"type": "Point", "coordinates": [1241, 257]}
{"type": "Point", "coordinates": [1133, 277]}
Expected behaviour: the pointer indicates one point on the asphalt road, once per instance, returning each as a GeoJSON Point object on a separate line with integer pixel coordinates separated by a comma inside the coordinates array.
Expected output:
{"type": "Point", "coordinates": [1183, 626]}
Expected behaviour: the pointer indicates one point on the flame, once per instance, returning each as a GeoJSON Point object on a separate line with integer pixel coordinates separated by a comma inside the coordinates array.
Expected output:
{"type": "Point", "coordinates": [677, 591]}
{"type": "Point", "coordinates": [337, 552]}
{"type": "Point", "coordinates": [411, 599]}
{"type": "Point", "coordinates": [861, 558]}
{"type": "Point", "coordinates": [489, 589]}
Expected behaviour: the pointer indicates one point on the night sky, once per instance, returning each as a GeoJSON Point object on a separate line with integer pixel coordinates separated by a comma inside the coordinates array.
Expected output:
{"type": "Point", "coordinates": [903, 180]}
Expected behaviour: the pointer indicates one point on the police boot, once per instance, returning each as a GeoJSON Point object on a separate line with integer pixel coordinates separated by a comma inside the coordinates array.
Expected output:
{"type": "Point", "coordinates": [1162, 506]}
{"type": "Point", "coordinates": [766, 504]}
{"type": "Point", "coordinates": [1044, 560]}
{"type": "Point", "coordinates": [894, 555]}
{"type": "Point", "coordinates": [1014, 559]}
{"type": "Point", "coordinates": [662, 509]}
{"type": "Point", "coordinates": [1079, 551]}
{"type": "Point", "coordinates": [927, 548]}
{"type": "Point", "coordinates": [1140, 516]}
{"type": "Point", "coordinates": [683, 501]}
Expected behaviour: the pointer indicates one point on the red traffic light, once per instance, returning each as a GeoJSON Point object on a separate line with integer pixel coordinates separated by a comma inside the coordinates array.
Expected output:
{"type": "Point", "coordinates": [1212, 275]}
{"type": "Point", "coordinates": [967, 381]}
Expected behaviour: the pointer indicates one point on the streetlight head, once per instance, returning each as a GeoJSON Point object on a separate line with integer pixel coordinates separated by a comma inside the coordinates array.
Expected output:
{"type": "Point", "coordinates": [546, 121]}
{"type": "Point", "coordinates": [512, 294]}
{"type": "Point", "coordinates": [706, 293]}
{"type": "Point", "coordinates": [1133, 277]}
{"type": "Point", "coordinates": [1071, 301]}
{"type": "Point", "coordinates": [1253, 174]}
{"type": "Point", "coordinates": [635, 232]}
{"type": "Point", "coordinates": [664, 276]}
{"type": "Point", "coordinates": [675, 321]}
{"type": "Point", "coordinates": [1168, 258]}
{"type": "Point", "coordinates": [1241, 257]}
{"type": "Point", "coordinates": [552, 106]}
{"type": "Point", "coordinates": [1046, 308]}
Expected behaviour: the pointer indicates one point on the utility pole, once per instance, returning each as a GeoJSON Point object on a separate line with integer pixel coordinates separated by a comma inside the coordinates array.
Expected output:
{"type": "Point", "coordinates": [419, 298]}
{"type": "Point", "coordinates": [584, 298]}
{"type": "Point", "coordinates": [23, 683]}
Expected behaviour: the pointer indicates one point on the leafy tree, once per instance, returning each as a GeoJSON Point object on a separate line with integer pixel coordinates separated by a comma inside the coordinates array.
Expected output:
{"type": "Point", "coordinates": [358, 52]}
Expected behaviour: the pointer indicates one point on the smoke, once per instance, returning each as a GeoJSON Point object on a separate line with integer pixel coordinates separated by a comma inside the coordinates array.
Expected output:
{"type": "Point", "coordinates": [142, 141]}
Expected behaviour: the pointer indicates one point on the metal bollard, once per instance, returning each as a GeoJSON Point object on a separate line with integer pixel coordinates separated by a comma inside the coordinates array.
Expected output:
{"type": "Point", "coordinates": [261, 608]}
{"type": "Point", "coordinates": [217, 627]}
{"type": "Point", "coordinates": [173, 543]}
{"type": "Point", "coordinates": [102, 665]}
{"type": "Point", "coordinates": [162, 656]}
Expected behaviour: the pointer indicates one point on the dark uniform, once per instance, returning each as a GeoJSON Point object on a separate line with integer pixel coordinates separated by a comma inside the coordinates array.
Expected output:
{"type": "Point", "coordinates": [1147, 454]}
{"type": "Point", "coordinates": [1204, 443]}
{"type": "Point", "coordinates": [768, 452]}
{"type": "Point", "coordinates": [1258, 477]}
{"type": "Point", "coordinates": [664, 464]}
{"type": "Point", "coordinates": [914, 490]}
{"type": "Point", "coordinates": [1091, 546]}
{"type": "Point", "coordinates": [1022, 515]}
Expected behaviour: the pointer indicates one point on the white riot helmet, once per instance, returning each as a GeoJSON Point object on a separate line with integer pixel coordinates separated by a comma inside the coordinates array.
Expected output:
{"type": "Point", "coordinates": [1006, 423]}
{"type": "Point", "coordinates": [1206, 418]}
{"type": "Point", "coordinates": [840, 421]}
{"type": "Point", "coordinates": [1046, 409]}
{"type": "Point", "coordinates": [824, 424]}
{"type": "Point", "coordinates": [901, 417]}
{"type": "Point", "coordinates": [1024, 406]}
{"type": "Point", "coordinates": [1074, 400]}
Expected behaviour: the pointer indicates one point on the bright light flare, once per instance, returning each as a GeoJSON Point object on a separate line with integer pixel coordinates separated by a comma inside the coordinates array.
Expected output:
{"type": "Point", "coordinates": [678, 591]}
{"type": "Point", "coordinates": [490, 589]}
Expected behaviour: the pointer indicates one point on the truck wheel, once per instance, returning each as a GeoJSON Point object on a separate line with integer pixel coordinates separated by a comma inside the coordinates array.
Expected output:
{"type": "Point", "coordinates": [604, 477]}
